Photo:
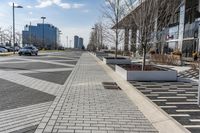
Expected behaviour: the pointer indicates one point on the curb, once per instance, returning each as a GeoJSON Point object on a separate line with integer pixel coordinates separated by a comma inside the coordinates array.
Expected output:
{"type": "Point", "coordinates": [6, 54]}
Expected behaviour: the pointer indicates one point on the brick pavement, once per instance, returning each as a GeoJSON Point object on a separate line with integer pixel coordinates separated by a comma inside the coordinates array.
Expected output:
{"type": "Point", "coordinates": [25, 99]}
{"type": "Point", "coordinates": [83, 105]}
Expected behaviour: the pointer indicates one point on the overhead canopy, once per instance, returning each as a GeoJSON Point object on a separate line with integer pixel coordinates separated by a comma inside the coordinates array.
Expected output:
{"type": "Point", "coordinates": [128, 21]}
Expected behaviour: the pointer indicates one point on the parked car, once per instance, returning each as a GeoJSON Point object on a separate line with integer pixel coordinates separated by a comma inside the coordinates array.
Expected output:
{"type": "Point", "coordinates": [28, 50]}
{"type": "Point", "coordinates": [9, 48]}
{"type": "Point", "coordinates": [3, 50]}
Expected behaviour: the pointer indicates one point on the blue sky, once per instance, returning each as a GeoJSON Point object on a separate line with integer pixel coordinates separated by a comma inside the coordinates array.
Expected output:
{"type": "Point", "coordinates": [70, 16]}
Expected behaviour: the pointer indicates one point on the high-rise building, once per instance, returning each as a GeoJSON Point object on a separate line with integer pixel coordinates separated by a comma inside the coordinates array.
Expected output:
{"type": "Point", "coordinates": [34, 35]}
{"type": "Point", "coordinates": [80, 44]}
{"type": "Point", "coordinates": [76, 41]}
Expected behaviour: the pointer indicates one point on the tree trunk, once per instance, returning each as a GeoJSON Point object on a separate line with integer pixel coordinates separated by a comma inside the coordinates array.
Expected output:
{"type": "Point", "coordinates": [116, 44]}
{"type": "Point", "coordinates": [144, 59]}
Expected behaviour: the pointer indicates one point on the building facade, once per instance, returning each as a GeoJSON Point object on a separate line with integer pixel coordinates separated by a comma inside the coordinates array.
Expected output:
{"type": "Point", "coordinates": [78, 42]}
{"type": "Point", "coordinates": [42, 36]}
{"type": "Point", "coordinates": [182, 32]}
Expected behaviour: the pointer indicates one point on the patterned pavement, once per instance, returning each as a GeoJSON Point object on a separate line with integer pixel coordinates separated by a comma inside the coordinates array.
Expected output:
{"type": "Point", "coordinates": [83, 105]}
{"type": "Point", "coordinates": [178, 99]}
{"type": "Point", "coordinates": [191, 73]}
{"type": "Point", "coordinates": [29, 85]}
{"type": "Point", "coordinates": [58, 92]}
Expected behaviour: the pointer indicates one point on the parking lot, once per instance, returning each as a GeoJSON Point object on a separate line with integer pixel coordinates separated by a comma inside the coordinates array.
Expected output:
{"type": "Point", "coordinates": [29, 84]}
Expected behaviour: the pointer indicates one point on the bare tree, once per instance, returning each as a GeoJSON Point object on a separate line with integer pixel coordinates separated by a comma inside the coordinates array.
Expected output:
{"type": "Point", "coordinates": [113, 11]}
{"type": "Point", "coordinates": [18, 37]}
{"type": "Point", "coordinates": [146, 14]}
{"type": "Point", "coordinates": [92, 44]}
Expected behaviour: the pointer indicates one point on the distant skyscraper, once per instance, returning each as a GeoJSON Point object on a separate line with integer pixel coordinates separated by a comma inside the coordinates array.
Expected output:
{"type": "Point", "coordinates": [80, 44]}
{"type": "Point", "coordinates": [34, 35]}
{"type": "Point", "coordinates": [76, 41]}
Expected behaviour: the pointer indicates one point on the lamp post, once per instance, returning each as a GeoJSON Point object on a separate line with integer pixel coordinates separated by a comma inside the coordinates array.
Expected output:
{"type": "Point", "coordinates": [43, 18]}
{"type": "Point", "coordinates": [60, 33]}
{"type": "Point", "coordinates": [13, 8]}
{"type": "Point", "coordinates": [67, 41]}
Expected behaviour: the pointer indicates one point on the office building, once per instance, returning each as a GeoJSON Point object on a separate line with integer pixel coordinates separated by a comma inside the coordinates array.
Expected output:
{"type": "Point", "coordinates": [182, 33]}
{"type": "Point", "coordinates": [78, 42]}
{"type": "Point", "coordinates": [42, 36]}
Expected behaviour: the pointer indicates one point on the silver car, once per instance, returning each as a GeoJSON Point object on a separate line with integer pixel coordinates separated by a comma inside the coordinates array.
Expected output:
{"type": "Point", "coordinates": [28, 50]}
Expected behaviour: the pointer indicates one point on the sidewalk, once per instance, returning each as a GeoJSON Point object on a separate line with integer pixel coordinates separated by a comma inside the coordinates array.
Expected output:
{"type": "Point", "coordinates": [83, 105]}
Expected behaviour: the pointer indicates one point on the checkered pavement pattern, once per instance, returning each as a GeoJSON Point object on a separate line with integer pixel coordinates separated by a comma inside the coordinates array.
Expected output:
{"type": "Point", "coordinates": [27, 88]}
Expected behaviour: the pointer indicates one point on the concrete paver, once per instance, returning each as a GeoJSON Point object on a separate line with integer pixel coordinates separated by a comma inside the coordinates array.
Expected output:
{"type": "Point", "coordinates": [22, 110]}
{"type": "Point", "coordinates": [84, 105]}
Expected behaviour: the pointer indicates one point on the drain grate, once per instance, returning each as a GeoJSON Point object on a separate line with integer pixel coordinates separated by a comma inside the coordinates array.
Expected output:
{"type": "Point", "coordinates": [111, 85]}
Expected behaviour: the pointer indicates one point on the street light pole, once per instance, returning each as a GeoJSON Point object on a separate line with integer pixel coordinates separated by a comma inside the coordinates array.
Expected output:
{"type": "Point", "coordinates": [13, 8]}
{"type": "Point", "coordinates": [43, 18]}
{"type": "Point", "coordinates": [67, 41]}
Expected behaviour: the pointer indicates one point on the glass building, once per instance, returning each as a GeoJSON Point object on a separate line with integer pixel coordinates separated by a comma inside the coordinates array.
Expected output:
{"type": "Point", "coordinates": [42, 36]}
{"type": "Point", "coordinates": [181, 33]}
{"type": "Point", "coordinates": [78, 42]}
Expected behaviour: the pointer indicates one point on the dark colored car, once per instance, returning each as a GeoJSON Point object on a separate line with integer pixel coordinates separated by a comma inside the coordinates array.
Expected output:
{"type": "Point", "coordinates": [28, 50]}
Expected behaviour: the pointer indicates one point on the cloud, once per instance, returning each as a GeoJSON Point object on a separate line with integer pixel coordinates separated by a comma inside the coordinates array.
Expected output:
{"type": "Point", "coordinates": [64, 5]}
{"type": "Point", "coordinates": [29, 6]}
{"type": "Point", "coordinates": [11, 4]}
{"type": "Point", "coordinates": [56, 1]}
{"type": "Point", "coordinates": [44, 3]}
{"type": "Point", "coordinates": [77, 5]}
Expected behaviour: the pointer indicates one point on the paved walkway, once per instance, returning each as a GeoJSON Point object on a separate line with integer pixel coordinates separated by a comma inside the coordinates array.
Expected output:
{"type": "Point", "coordinates": [28, 87]}
{"type": "Point", "coordinates": [83, 105]}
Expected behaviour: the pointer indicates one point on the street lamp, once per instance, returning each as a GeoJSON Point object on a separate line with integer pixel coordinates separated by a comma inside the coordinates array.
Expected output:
{"type": "Point", "coordinates": [13, 7]}
{"type": "Point", "coordinates": [67, 41]}
{"type": "Point", "coordinates": [59, 39]}
{"type": "Point", "coordinates": [43, 18]}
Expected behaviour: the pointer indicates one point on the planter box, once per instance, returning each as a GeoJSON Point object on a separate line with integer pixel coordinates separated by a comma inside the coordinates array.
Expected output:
{"type": "Point", "coordinates": [116, 61]}
{"type": "Point", "coordinates": [101, 54]}
{"type": "Point", "coordinates": [161, 75]}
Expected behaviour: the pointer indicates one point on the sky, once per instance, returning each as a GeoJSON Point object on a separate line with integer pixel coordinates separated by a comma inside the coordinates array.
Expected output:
{"type": "Point", "coordinates": [72, 17]}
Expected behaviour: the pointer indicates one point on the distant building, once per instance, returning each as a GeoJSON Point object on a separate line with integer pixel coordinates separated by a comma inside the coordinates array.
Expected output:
{"type": "Point", "coordinates": [34, 35]}
{"type": "Point", "coordinates": [78, 42]}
